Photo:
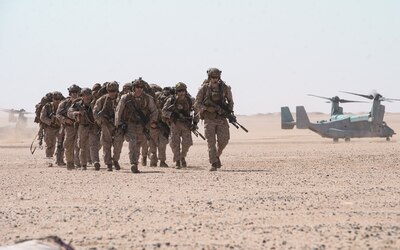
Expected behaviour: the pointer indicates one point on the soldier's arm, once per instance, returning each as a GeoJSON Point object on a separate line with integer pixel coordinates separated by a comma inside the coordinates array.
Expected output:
{"type": "Point", "coordinates": [72, 111]}
{"type": "Point", "coordinates": [198, 104]}
{"type": "Point", "coordinates": [165, 112]}
{"type": "Point", "coordinates": [229, 97]}
{"type": "Point", "coordinates": [43, 116]}
{"type": "Point", "coordinates": [60, 108]}
{"type": "Point", "coordinates": [153, 110]}
{"type": "Point", "coordinates": [120, 110]}
{"type": "Point", "coordinates": [97, 108]}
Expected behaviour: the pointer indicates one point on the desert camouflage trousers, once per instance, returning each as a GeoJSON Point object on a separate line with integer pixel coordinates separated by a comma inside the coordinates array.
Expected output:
{"type": "Point", "coordinates": [159, 146]}
{"type": "Point", "coordinates": [136, 138]}
{"type": "Point", "coordinates": [180, 141]}
{"type": "Point", "coordinates": [88, 142]}
{"type": "Point", "coordinates": [71, 145]}
{"type": "Point", "coordinates": [50, 138]}
{"type": "Point", "coordinates": [108, 141]}
{"type": "Point", "coordinates": [217, 134]}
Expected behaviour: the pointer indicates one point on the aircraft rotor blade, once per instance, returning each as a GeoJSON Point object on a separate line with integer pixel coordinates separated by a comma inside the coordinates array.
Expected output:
{"type": "Point", "coordinates": [365, 96]}
{"type": "Point", "coordinates": [326, 98]}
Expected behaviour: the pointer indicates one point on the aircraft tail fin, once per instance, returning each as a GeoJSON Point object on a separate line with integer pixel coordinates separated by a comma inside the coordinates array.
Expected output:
{"type": "Point", "coordinates": [302, 120]}
{"type": "Point", "coordinates": [287, 121]}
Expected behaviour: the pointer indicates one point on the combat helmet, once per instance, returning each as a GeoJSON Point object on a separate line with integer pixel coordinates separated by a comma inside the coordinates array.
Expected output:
{"type": "Point", "coordinates": [57, 96]}
{"type": "Point", "coordinates": [180, 86]}
{"type": "Point", "coordinates": [96, 87]}
{"type": "Point", "coordinates": [214, 72]}
{"type": "Point", "coordinates": [86, 92]}
{"type": "Point", "coordinates": [74, 88]}
{"type": "Point", "coordinates": [139, 82]}
{"type": "Point", "coordinates": [112, 86]}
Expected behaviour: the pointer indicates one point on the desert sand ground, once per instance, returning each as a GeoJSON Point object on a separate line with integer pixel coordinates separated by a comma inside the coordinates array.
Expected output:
{"type": "Point", "coordinates": [277, 189]}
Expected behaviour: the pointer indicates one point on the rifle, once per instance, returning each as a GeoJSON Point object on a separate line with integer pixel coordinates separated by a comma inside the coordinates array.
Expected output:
{"type": "Point", "coordinates": [38, 139]}
{"type": "Point", "coordinates": [224, 110]}
{"type": "Point", "coordinates": [143, 120]}
{"type": "Point", "coordinates": [187, 120]}
{"type": "Point", "coordinates": [164, 128]}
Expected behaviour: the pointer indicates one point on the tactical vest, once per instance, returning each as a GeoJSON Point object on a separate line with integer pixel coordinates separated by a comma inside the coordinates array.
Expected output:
{"type": "Point", "coordinates": [50, 112]}
{"type": "Point", "coordinates": [183, 106]}
{"type": "Point", "coordinates": [87, 118]}
{"type": "Point", "coordinates": [132, 104]}
{"type": "Point", "coordinates": [214, 96]}
{"type": "Point", "coordinates": [108, 107]}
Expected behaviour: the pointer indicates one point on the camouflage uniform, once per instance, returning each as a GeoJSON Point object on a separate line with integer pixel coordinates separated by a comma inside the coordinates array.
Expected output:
{"type": "Point", "coordinates": [71, 131]}
{"type": "Point", "coordinates": [127, 113]}
{"type": "Point", "coordinates": [51, 126]}
{"type": "Point", "coordinates": [212, 92]}
{"type": "Point", "coordinates": [104, 113]}
{"type": "Point", "coordinates": [177, 110]}
{"type": "Point", "coordinates": [163, 128]}
{"type": "Point", "coordinates": [95, 131]}
{"type": "Point", "coordinates": [38, 109]}
{"type": "Point", "coordinates": [82, 112]}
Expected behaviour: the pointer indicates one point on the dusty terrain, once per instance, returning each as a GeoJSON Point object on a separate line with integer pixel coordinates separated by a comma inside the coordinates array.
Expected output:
{"type": "Point", "coordinates": [277, 189]}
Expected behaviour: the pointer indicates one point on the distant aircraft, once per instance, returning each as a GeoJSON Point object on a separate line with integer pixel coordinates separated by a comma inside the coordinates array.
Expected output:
{"type": "Point", "coordinates": [20, 120]}
{"type": "Point", "coordinates": [343, 126]}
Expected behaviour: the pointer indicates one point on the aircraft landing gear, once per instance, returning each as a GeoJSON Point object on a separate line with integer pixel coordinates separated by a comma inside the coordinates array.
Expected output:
{"type": "Point", "coordinates": [346, 139]}
{"type": "Point", "coordinates": [387, 138]}
{"type": "Point", "coordinates": [335, 140]}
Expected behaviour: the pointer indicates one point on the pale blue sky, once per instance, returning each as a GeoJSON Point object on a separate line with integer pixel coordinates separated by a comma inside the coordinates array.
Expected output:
{"type": "Point", "coordinates": [272, 53]}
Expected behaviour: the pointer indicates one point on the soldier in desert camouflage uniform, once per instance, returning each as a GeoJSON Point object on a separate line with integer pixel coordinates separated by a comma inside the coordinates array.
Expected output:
{"type": "Point", "coordinates": [163, 129]}
{"type": "Point", "coordinates": [71, 131]}
{"type": "Point", "coordinates": [177, 110]}
{"type": "Point", "coordinates": [81, 112]}
{"type": "Point", "coordinates": [51, 125]}
{"type": "Point", "coordinates": [104, 113]}
{"type": "Point", "coordinates": [138, 112]}
{"type": "Point", "coordinates": [95, 131]}
{"type": "Point", "coordinates": [212, 92]}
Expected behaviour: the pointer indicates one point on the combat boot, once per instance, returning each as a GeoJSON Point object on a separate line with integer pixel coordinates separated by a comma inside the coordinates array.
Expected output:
{"type": "Point", "coordinates": [97, 166]}
{"type": "Point", "coordinates": [214, 166]}
{"type": "Point", "coordinates": [218, 163]}
{"type": "Point", "coordinates": [116, 165]}
{"type": "Point", "coordinates": [109, 167]}
{"type": "Point", "coordinates": [144, 161]}
{"type": "Point", "coordinates": [70, 165]}
{"type": "Point", "coordinates": [183, 162]}
{"type": "Point", "coordinates": [153, 164]}
{"type": "Point", "coordinates": [163, 164]}
{"type": "Point", "coordinates": [178, 165]}
{"type": "Point", "coordinates": [134, 169]}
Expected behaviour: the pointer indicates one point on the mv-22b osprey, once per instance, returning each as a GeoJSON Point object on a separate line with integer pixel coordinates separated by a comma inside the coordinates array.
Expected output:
{"type": "Point", "coordinates": [341, 126]}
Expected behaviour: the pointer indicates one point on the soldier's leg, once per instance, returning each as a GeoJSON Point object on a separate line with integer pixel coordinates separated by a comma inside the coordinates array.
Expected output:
{"type": "Point", "coordinates": [154, 133]}
{"type": "Point", "coordinates": [162, 148]}
{"type": "Point", "coordinates": [141, 140]}
{"type": "Point", "coordinates": [117, 148]}
{"type": "Point", "coordinates": [106, 141]}
{"type": "Point", "coordinates": [145, 150]}
{"type": "Point", "coordinates": [94, 136]}
{"type": "Point", "coordinates": [130, 138]}
{"type": "Point", "coordinates": [209, 133]}
{"type": "Point", "coordinates": [175, 143]}
{"type": "Point", "coordinates": [83, 142]}
{"type": "Point", "coordinates": [60, 147]}
{"type": "Point", "coordinates": [223, 136]}
{"type": "Point", "coordinates": [77, 161]}
{"type": "Point", "coordinates": [70, 134]}
{"type": "Point", "coordinates": [187, 142]}
{"type": "Point", "coordinates": [50, 135]}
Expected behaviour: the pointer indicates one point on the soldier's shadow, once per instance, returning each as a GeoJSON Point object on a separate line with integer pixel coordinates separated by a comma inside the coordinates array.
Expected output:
{"type": "Point", "coordinates": [244, 170]}
{"type": "Point", "coordinates": [127, 171]}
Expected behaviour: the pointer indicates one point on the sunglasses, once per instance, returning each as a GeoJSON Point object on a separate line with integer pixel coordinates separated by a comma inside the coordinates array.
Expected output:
{"type": "Point", "coordinates": [181, 90]}
{"type": "Point", "coordinates": [214, 77]}
{"type": "Point", "coordinates": [73, 92]}
{"type": "Point", "coordinates": [139, 87]}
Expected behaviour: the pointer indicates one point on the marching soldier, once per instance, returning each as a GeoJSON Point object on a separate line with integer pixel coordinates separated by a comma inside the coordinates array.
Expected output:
{"type": "Point", "coordinates": [95, 131]}
{"type": "Point", "coordinates": [177, 111]}
{"type": "Point", "coordinates": [212, 93]}
{"type": "Point", "coordinates": [51, 126]}
{"type": "Point", "coordinates": [68, 124]}
{"type": "Point", "coordinates": [138, 112]}
{"type": "Point", "coordinates": [104, 113]}
{"type": "Point", "coordinates": [81, 112]}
